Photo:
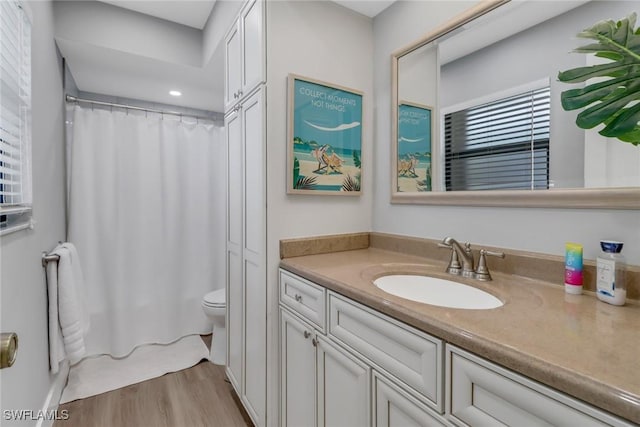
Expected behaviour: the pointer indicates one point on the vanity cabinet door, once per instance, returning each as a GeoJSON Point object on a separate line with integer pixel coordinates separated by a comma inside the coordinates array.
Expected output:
{"type": "Point", "coordinates": [298, 372]}
{"type": "Point", "coordinates": [343, 387]}
{"type": "Point", "coordinates": [394, 407]}
{"type": "Point", "coordinates": [321, 384]}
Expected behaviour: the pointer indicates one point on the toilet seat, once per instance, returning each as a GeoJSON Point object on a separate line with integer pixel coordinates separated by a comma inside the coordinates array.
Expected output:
{"type": "Point", "coordinates": [215, 299]}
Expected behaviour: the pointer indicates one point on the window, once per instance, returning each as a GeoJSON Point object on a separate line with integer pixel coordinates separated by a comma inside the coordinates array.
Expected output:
{"type": "Point", "coordinates": [499, 145]}
{"type": "Point", "coordinates": [15, 117]}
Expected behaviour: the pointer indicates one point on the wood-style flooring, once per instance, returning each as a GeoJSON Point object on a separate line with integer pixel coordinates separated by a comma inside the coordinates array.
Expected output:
{"type": "Point", "coordinates": [196, 397]}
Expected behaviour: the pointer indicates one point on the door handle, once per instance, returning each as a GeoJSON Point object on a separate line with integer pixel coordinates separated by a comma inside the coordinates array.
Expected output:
{"type": "Point", "coordinates": [8, 349]}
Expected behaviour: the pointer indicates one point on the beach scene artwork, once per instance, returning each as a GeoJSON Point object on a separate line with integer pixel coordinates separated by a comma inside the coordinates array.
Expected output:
{"type": "Point", "coordinates": [414, 147]}
{"type": "Point", "coordinates": [325, 138]}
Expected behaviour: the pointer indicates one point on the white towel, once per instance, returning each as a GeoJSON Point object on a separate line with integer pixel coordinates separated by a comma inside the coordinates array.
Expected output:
{"type": "Point", "coordinates": [68, 314]}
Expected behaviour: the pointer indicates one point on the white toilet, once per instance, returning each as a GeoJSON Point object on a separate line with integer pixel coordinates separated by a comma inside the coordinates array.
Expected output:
{"type": "Point", "coordinates": [214, 306]}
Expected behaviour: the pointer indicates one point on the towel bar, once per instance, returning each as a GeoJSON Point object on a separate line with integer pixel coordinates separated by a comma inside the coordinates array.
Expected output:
{"type": "Point", "coordinates": [46, 258]}
{"type": "Point", "coordinates": [49, 258]}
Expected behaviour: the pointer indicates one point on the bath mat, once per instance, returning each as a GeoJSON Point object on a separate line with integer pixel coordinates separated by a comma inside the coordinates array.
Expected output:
{"type": "Point", "coordinates": [100, 374]}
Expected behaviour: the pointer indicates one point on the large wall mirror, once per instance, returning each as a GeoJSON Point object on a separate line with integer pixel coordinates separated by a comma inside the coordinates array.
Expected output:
{"type": "Point", "coordinates": [477, 118]}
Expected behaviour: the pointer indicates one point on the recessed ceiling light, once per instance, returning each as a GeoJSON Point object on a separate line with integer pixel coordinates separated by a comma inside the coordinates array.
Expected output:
{"type": "Point", "coordinates": [175, 93]}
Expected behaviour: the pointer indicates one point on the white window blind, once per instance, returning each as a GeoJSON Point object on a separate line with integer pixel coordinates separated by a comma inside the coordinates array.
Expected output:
{"type": "Point", "coordinates": [15, 117]}
{"type": "Point", "coordinates": [499, 145]}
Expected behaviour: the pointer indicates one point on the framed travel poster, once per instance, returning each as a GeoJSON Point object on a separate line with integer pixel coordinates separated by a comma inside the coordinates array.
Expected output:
{"type": "Point", "coordinates": [414, 147]}
{"type": "Point", "coordinates": [324, 138]}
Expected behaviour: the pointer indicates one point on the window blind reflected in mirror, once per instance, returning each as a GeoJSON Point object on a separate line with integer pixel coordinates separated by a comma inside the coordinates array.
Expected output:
{"type": "Point", "coordinates": [500, 145]}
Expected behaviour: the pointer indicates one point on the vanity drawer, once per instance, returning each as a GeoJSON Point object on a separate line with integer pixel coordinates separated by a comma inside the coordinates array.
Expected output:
{"type": "Point", "coordinates": [303, 297]}
{"type": "Point", "coordinates": [482, 393]}
{"type": "Point", "coordinates": [406, 353]}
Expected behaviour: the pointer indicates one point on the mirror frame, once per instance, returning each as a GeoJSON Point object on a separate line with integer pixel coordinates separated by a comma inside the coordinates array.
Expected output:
{"type": "Point", "coordinates": [595, 198]}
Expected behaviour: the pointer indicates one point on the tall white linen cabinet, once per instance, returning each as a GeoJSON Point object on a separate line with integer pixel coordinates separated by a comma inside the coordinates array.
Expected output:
{"type": "Point", "coordinates": [246, 284]}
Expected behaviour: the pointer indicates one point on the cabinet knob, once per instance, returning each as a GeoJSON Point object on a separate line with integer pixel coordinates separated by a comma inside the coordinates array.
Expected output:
{"type": "Point", "coordinates": [307, 334]}
{"type": "Point", "coordinates": [298, 298]}
{"type": "Point", "coordinates": [314, 342]}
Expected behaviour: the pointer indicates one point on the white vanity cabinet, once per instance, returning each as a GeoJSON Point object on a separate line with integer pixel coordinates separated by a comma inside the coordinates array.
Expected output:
{"type": "Point", "coordinates": [410, 377]}
{"type": "Point", "coordinates": [414, 358]}
{"type": "Point", "coordinates": [394, 407]}
{"type": "Point", "coordinates": [331, 377]}
{"type": "Point", "coordinates": [306, 299]}
{"type": "Point", "coordinates": [343, 383]}
{"type": "Point", "coordinates": [321, 384]}
{"type": "Point", "coordinates": [244, 53]}
{"type": "Point", "coordinates": [482, 393]}
{"type": "Point", "coordinates": [298, 372]}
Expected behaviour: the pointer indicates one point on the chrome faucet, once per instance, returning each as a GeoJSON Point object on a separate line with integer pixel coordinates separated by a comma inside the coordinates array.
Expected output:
{"type": "Point", "coordinates": [467, 269]}
{"type": "Point", "coordinates": [460, 254]}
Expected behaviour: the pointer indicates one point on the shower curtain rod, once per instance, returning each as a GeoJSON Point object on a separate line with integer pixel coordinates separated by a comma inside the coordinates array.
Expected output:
{"type": "Point", "coordinates": [70, 98]}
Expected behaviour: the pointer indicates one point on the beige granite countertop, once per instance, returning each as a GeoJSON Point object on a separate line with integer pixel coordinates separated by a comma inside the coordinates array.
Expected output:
{"type": "Point", "coordinates": [573, 343]}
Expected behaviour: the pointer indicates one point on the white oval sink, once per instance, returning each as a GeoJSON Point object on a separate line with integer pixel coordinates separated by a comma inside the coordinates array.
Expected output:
{"type": "Point", "coordinates": [434, 291]}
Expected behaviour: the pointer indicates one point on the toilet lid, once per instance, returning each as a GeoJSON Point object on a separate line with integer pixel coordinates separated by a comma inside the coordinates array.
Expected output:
{"type": "Point", "coordinates": [215, 298]}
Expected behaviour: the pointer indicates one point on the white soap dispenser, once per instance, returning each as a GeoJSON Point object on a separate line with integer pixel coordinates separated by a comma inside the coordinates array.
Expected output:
{"type": "Point", "coordinates": [610, 284]}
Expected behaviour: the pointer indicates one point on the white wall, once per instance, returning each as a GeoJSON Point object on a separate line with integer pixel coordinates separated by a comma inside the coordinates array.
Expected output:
{"type": "Point", "coordinates": [538, 230]}
{"type": "Point", "coordinates": [324, 41]}
{"type": "Point", "coordinates": [24, 298]}
{"type": "Point", "coordinates": [120, 52]}
{"type": "Point", "coordinates": [123, 30]}
{"type": "Point", "coordinates": [222, 15]}
{"type": "Point", "coordinates": [418, 76]}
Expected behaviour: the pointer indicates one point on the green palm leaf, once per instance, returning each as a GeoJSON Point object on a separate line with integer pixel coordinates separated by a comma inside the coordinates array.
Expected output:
{"type": "Point", "coordinates": [612, 102]}
{"type": "Point", "coordinates": [305, 183]}
{"type": "Point", "coordinates": [351, 184]}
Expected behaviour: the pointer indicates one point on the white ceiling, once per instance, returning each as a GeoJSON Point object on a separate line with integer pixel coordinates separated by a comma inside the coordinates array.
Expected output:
{"type": "Point", "coordinates": [368, 8]}
{"type": "Point", "coordinates": [121, 71]}
{"type": "Point", "coordinates": [192, 13]}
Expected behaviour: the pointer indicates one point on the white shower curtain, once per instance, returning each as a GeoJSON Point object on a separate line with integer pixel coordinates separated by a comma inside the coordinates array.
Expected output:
{"type": "Point", "coordinates": [146, 212]}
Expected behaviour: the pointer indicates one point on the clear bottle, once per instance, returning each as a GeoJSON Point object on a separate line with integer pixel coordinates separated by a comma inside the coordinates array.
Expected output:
{"type": "Point", "coordinates": [610, 280]}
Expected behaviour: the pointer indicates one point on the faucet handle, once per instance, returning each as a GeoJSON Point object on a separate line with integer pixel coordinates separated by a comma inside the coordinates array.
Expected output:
{"type": "Point", "coordinates": [482, 272]}
{"type": "Point", "coordinates": [469, 252]}
{"type": "Point", "coordinates": [454, 266]}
